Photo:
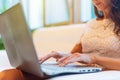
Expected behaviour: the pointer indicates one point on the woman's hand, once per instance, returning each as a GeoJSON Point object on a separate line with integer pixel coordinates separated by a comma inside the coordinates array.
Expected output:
{"type": "Point", "coordinates": [55, 54]}
{"type": "Point", "coordinates": [77, 57]}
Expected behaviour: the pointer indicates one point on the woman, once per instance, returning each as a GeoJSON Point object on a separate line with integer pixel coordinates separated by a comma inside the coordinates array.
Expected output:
{"type": "Point", "coordinates": [100, 43]}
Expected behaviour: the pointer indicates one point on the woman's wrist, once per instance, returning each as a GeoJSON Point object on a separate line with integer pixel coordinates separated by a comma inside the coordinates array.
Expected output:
{"type": "Point", "coordinates": [93, 58]}
{"type": "Point", "coordinates": [90, 58]}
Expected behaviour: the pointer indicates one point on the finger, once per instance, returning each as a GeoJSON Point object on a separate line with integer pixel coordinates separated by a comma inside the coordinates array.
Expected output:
{"type": "Point", "coordinates": [63, 63]}
{"type": "Point", "coordinates": [51, 54]}
{"type": "Point", "coordinates": [62, 59]}
{"type": "Point", "coordinates": [44, 58]}
{"type": "Point", "coordinates": [72, 58]}
{"type": "Point", "coordinates": [68, 58]}
{"type": "Point", "coordinates": [66, 61]}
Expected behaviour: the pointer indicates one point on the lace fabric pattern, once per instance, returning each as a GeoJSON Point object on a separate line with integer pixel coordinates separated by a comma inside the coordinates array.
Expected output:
{"type": "Point", "coordinates": [99, 38]}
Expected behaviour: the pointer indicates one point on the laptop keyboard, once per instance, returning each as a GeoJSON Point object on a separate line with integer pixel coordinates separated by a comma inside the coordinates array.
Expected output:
{"type": "Point", "coordinates": [71, 68]}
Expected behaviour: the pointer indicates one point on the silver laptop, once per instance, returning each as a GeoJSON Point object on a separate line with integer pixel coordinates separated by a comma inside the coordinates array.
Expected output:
{"type": "Point", "coordinates": [20, 49]}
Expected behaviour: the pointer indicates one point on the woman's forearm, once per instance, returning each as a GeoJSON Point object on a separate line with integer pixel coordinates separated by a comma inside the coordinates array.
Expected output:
{"type": "Point", "coordinates": [109, 63]}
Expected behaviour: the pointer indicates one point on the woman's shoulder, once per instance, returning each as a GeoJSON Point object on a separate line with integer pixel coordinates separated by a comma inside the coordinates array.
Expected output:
{"type": "Point", "coordinates": [93, 23]}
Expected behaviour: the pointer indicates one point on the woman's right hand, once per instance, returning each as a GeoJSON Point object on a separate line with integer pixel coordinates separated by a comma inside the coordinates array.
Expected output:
{"type": "Point", "coordinates": [55, 54]}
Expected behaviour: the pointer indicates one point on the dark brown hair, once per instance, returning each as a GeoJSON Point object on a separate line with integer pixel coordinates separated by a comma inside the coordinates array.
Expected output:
{"type": "Point", "coordinates": [114, 14]}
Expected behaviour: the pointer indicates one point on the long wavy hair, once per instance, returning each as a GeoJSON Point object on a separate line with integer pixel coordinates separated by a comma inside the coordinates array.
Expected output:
{"type": "Point", "coordinates": [114, 14]}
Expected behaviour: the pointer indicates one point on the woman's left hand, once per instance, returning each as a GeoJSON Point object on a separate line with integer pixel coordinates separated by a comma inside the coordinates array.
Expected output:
{"type": "Point", "coordinates": [77, 57]}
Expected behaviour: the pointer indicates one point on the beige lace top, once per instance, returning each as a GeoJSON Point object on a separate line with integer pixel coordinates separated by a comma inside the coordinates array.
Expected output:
{"type": "Point", "coordinates": [99, 38]}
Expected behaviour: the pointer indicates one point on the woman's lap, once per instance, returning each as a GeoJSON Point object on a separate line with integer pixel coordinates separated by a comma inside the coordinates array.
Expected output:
{"type": "Point", "coordinates": [12, 74]}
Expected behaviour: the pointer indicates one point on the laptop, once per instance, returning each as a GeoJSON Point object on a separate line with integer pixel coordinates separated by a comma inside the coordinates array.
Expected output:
{"type": "Point", "coordinates": [20, 49]}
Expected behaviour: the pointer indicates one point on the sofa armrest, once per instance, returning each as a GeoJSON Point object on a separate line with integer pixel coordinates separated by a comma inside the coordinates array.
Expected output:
{"type": "Point", "coordinates": [61, 38]}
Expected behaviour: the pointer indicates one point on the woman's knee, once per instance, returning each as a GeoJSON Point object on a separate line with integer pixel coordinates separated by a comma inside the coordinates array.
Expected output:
{"type": "Point", "coordinates": [12, 74]}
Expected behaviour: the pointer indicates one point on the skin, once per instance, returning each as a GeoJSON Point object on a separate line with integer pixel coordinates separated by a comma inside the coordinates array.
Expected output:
{"type": "Point", "coordinates": [102, 5]}
{"type": "Point", "coordinates": [76, 54]}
